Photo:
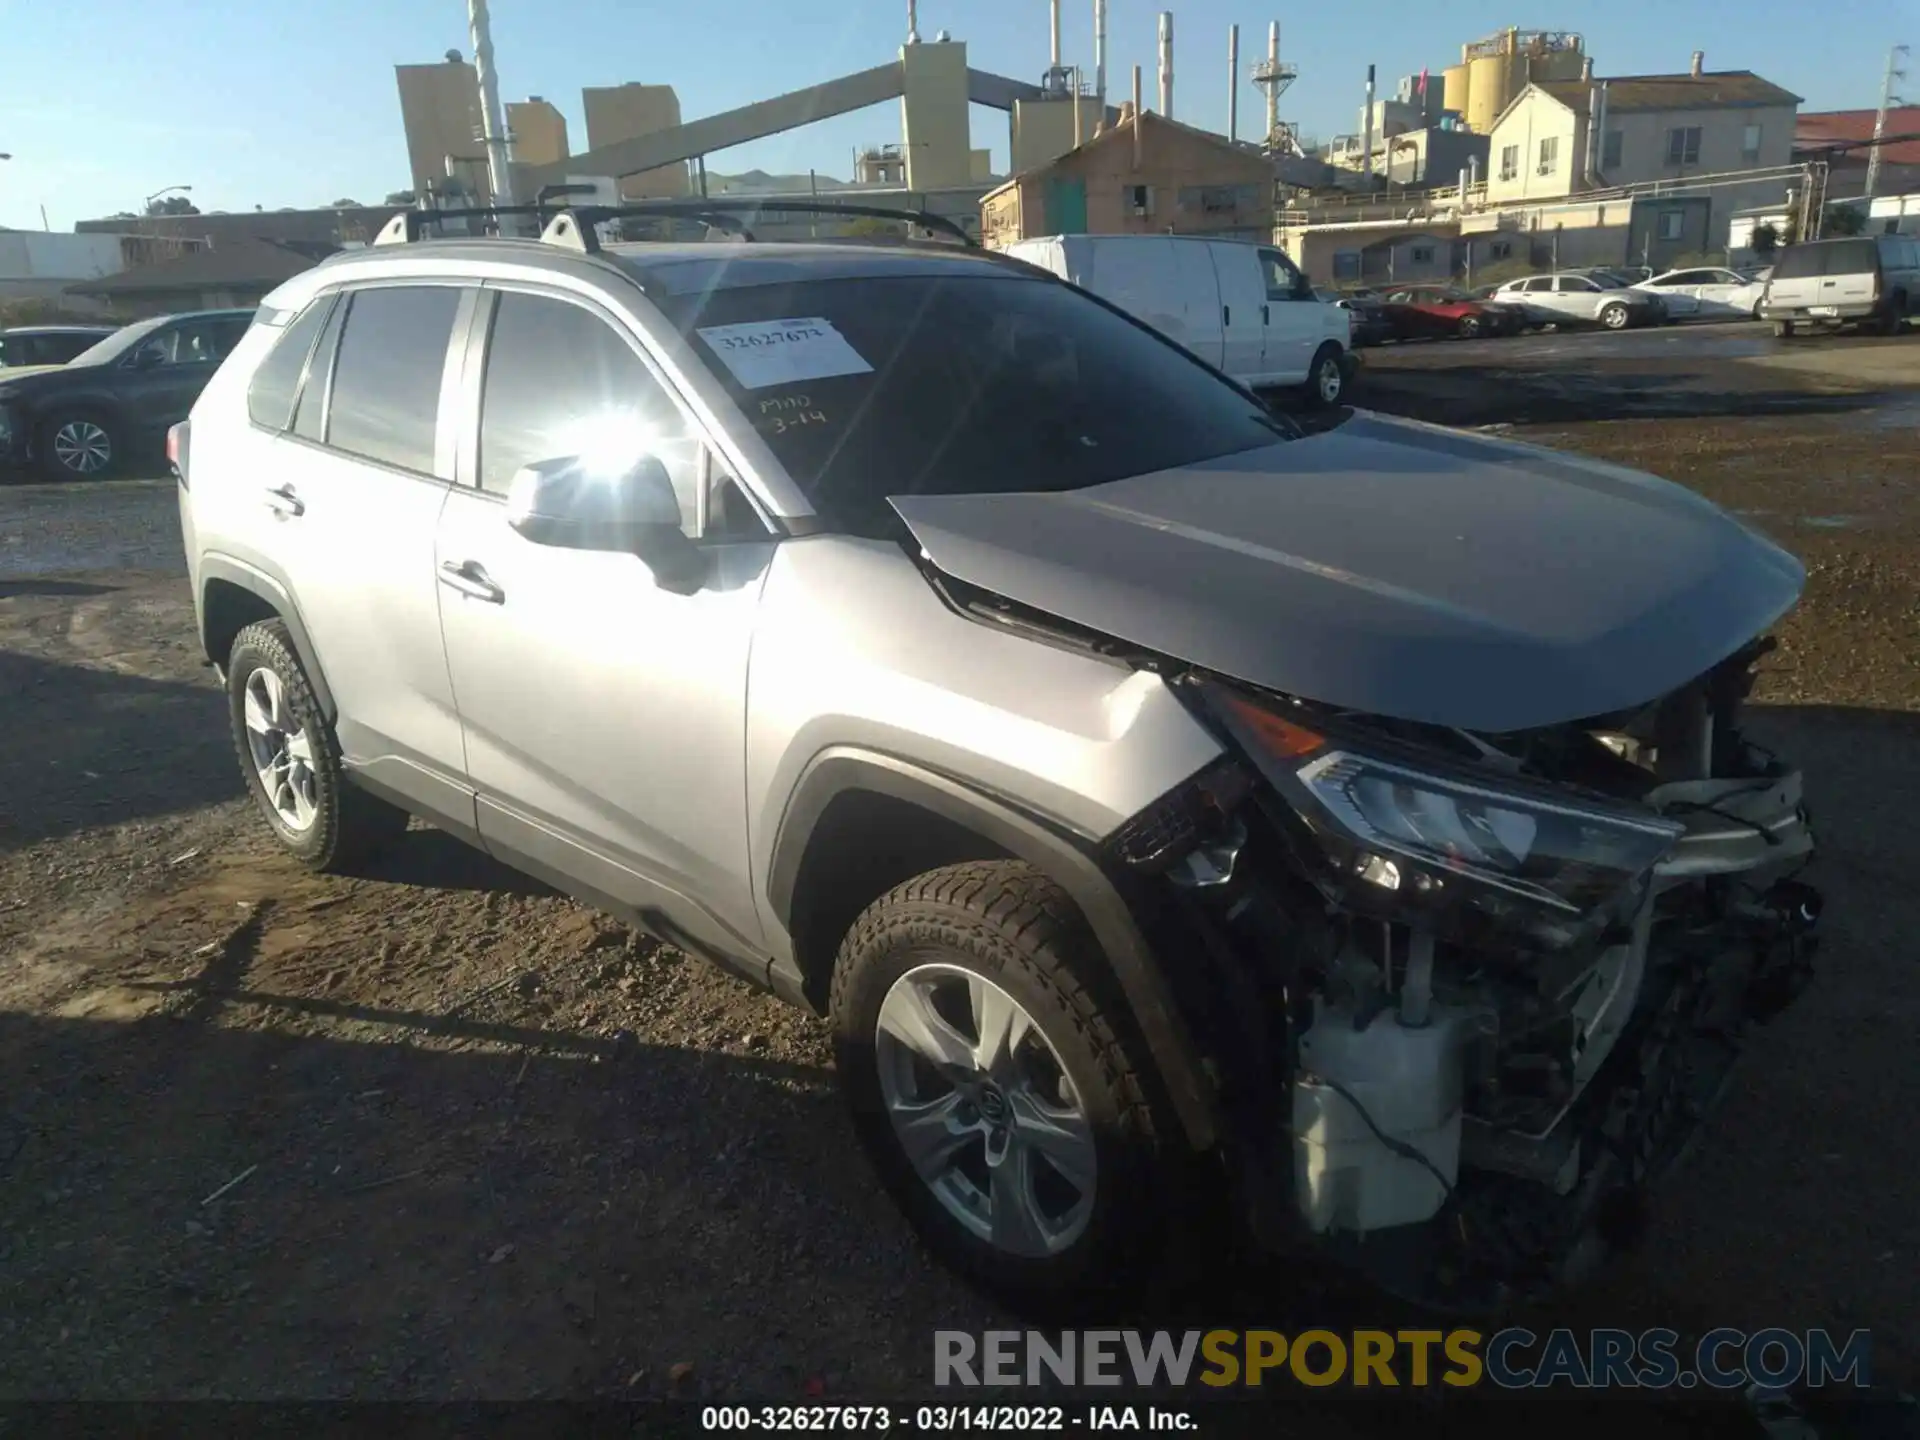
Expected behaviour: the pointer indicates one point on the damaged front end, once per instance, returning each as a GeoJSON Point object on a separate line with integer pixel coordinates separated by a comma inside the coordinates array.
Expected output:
{"type": "Point", "coordinates": [1467, 995]}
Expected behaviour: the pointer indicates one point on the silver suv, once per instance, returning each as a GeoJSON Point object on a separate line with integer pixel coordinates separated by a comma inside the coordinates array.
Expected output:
{"type": "Point", "coordinates": [1159, 805]}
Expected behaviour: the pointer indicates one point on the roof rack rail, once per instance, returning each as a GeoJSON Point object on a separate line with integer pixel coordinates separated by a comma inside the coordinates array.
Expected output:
{"type": "Point", "coordinates": [573, 227]}
{"type": "Point", "coordinates": [407, 226]}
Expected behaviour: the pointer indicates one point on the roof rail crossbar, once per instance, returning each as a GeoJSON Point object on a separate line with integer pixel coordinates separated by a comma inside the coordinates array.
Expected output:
{"type": "Point", "coordinates": [408, 226]}
{"type": "Point", "coordinates": [720, 214]}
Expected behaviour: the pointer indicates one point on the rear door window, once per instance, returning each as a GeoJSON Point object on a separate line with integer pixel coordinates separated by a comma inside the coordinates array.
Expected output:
{"type": "Point", "coordinates": [386, 384]}
{"type": "Point", "coordinates": [275, 384]}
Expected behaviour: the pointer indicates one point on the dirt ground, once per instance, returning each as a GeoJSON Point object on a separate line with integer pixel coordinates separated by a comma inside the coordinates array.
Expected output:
{"type": "Point", "coordinates": [436, 1133]}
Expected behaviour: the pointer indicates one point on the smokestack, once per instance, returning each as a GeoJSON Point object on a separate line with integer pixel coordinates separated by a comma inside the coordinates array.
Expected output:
{"type": "Point", "coordinates": [913, 22]}
{"type": "Point", "coordinates": [1053, 20]}
{"type": "Point", "coordinates": [1136, 117]}
{"type": "Point", "coordinates": [1100, 53]}
{"type": "Point", "coordinates": [1366, 134]}
{"type": "Point", "coordinates": [1586, 68]}
{"type": "Point", "coordinates": [1166, 63]}
{"type": "Point", "coordinates": [1077, 107]}
{"type": "Point", "coordinates": [1233, 83]}
{"type": "Point", "coordinates": [1273, 95]}
{"type": "Point", "coordinates": [1699, 63]}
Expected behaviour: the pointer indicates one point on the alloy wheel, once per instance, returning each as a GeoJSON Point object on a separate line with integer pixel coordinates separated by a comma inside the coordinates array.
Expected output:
{"type": "Point", "coordinates": [82, 447]}
{"type": "Point", "coordinates": [984, 1111]}
{"type": "Point", "coordinates": [282, 752]}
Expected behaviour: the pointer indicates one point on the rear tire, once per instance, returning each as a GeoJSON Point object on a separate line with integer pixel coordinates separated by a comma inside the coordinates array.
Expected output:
{"type": "Point", "coordinates": [1469, 327]}
{"type": "Point", "coordinates": [1615, 317]}
{"type": "Point", "coordinates": [1326, 384]}
{"type": "Point", "coordinates": [1895, 320]}
{"type": "Point", "coordinates": [1783, 329]}
{"type": "Point", "coordinates": [291, 759]}
{"type": "Point", "coordinates": [934, 958]}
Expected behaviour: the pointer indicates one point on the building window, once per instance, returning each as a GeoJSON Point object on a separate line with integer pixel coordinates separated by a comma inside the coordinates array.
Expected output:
{"type": "Point", "coordinates": [1139, 199]}
{"type": "Point", "coordinates": [1346, 264]}
{"type": "Point", "coordinates": [1509, 161]}
{"type": "Point", "coordinates": [1549, 154]}
{"type": "Point", "coordinates": [1610, 145]}
{"type": "Point", "coordinates": [1750, 143]}
{"type": "Point", "coordinates": [1673, 224]}
{"type": "Point", "coordinates": [1500, 250]}
{"type": "Point", "coordinates": [1423, 254]}
{"type": "Point", "coordinates": [1213, 199]}
{"type": "Point", "coordinates": [1683, 145]}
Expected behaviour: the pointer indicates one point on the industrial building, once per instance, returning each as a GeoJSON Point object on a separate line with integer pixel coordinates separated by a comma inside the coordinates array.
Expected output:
{"type": "Point", "coordinates": [538, 130]}
{"type": "Point", "coordinates": [631, 111]}
{"type": "Point", "coordinates": [1147, 175]}
{"type": "Point", "coordinates": [440, 112]}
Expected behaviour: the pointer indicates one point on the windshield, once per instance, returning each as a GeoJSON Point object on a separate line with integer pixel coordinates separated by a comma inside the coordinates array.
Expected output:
{"type": "Point", "coordinates": [948, 385]}
{"type": "Point", "coordinates": [118, 343]}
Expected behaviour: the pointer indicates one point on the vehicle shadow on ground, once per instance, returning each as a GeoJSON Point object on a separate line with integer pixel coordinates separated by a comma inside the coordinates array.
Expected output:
{"type": "Point", "coordinates": [430, 859]}
{"type": "Point", "coordinates": [87, 746]}
{"type": "Point", "coordinates": [1497, 394]}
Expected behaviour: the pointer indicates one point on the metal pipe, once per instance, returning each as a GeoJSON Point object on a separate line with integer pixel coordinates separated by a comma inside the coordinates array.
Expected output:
{"type": "Point", "coordinates": [1166, 64]}
{"type": "Point", "coordinates": [1100, 54]}
{"type": "Point", "coordinates": [493, 118]}
{"type": "Point", "coordinates": [1076, 108]}
{"type": "Point", "coordinates": [1053, 21]}
{"type": "Point", "coordinates": [1366, 142]}
{"type": "Point", "coordinates": [1135, 123]}
{"type": "Point", "coordinates": [1233, 83]}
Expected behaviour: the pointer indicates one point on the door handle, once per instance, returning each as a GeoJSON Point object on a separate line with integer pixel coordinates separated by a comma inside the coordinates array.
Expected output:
{"type": "Point", "coordinates": [1265, 318]}
{"type": "Point", "coordinates": [283, 500]}
{"type": "Point", "coordinates": [470, 580]}
{"type": "Point", "coordinates": [1226, 317]}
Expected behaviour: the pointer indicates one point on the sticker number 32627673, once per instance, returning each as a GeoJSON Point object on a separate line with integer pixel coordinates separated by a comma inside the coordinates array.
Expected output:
{"type": "Point", "coordinates": [760, 353]}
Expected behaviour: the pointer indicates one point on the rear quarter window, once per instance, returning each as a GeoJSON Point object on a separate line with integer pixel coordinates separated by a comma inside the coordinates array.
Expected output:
{"type": "Point", "coordinates": [277, 382]}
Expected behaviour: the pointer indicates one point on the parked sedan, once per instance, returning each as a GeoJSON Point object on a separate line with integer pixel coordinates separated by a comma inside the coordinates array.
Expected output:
{"type": "Point", "coordinates": [1367, 325]}
{"type": "Point", "coordinates": [1569, 297]}
{"type": "Point", "coordinates": [1707, 293]}
{"type": "Point", "coordinates": [1435, 311]}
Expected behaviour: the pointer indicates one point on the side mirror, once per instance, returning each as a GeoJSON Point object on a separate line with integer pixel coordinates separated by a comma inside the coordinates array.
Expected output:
{"type": "Point", "coordinates": [565, 504]}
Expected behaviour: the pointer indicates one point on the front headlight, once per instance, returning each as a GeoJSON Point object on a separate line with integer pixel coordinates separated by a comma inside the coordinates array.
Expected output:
{"type": "Point", "coordinates": [1406, 826]}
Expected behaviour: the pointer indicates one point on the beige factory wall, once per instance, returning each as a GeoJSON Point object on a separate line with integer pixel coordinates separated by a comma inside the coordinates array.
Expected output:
{"type": "Point", "coordinates": [539, 132]}
{"type": "Point", "coordinates": [933, 115]}
{"type": "Point", "coordinates": [1723, 142]}
{"type": "Point", "coordinates": [980, 165]}
{"type": "Point", "coordinates": [1042, 130]}
{"type": "Point", "coordinates": [626, 112]}
{"type": "Point", "coordinates": [1514, 160]}
{"type": "Point", "coordinates": [440, 111]}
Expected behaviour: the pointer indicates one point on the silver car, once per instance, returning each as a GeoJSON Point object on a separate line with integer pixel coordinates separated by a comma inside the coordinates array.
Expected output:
{"type": "Point", "coordinates": [1580, 297]}
{"type": "Point", "coordinates": [1154, 802]}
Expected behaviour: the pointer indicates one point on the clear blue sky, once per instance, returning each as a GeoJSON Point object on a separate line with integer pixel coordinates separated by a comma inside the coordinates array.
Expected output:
{"type": "Point", "coordinates": [272, 103]}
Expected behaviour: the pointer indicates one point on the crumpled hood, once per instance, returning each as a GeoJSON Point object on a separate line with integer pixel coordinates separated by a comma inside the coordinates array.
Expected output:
{"type": "Point", "coordinates": [1400, 569]}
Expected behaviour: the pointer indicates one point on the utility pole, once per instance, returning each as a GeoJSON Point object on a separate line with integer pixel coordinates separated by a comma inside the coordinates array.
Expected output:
{"type": "Point", "coordinates": [1887, 101]}
{"type": "Point", "coordinates": [493, 120]}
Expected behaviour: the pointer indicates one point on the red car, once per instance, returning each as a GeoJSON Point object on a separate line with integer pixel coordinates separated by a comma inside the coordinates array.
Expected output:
{"type": "Point", "coordinates": [1431, 312]}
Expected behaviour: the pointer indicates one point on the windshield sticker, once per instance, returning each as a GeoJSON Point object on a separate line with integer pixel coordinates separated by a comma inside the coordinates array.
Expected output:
{"type": "Point", "coordinates": [783, 352]}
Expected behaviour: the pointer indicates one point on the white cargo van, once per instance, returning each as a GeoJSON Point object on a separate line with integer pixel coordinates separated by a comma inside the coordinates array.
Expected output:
{"type": "Point", "coordinates": [1239, 306]}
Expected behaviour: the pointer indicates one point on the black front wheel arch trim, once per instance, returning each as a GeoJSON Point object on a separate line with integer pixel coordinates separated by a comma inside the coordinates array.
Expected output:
{"type": "Point", "coordinates": [1068, 861]}
{"type": "Point", "coordinates": [272, 591]}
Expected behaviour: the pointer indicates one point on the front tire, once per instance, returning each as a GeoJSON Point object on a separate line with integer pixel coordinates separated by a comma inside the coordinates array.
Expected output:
{"type": "Point", "coordinates": [291, 759]}
{"type": "Point", "coordinates": [1326, 383]}
{"type": "Point", "coordinates": [1615, 317]}
{"type": "Point", "coordinates": [998, 1086]}
{"type": "Point", "coordinates": [78, 445]}
{"type": "Point", "coordinates": [1469, 327]}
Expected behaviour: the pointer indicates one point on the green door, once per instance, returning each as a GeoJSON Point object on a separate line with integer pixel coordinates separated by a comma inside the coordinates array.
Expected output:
{"type": "Point", "coordinates": [1066, 206]}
